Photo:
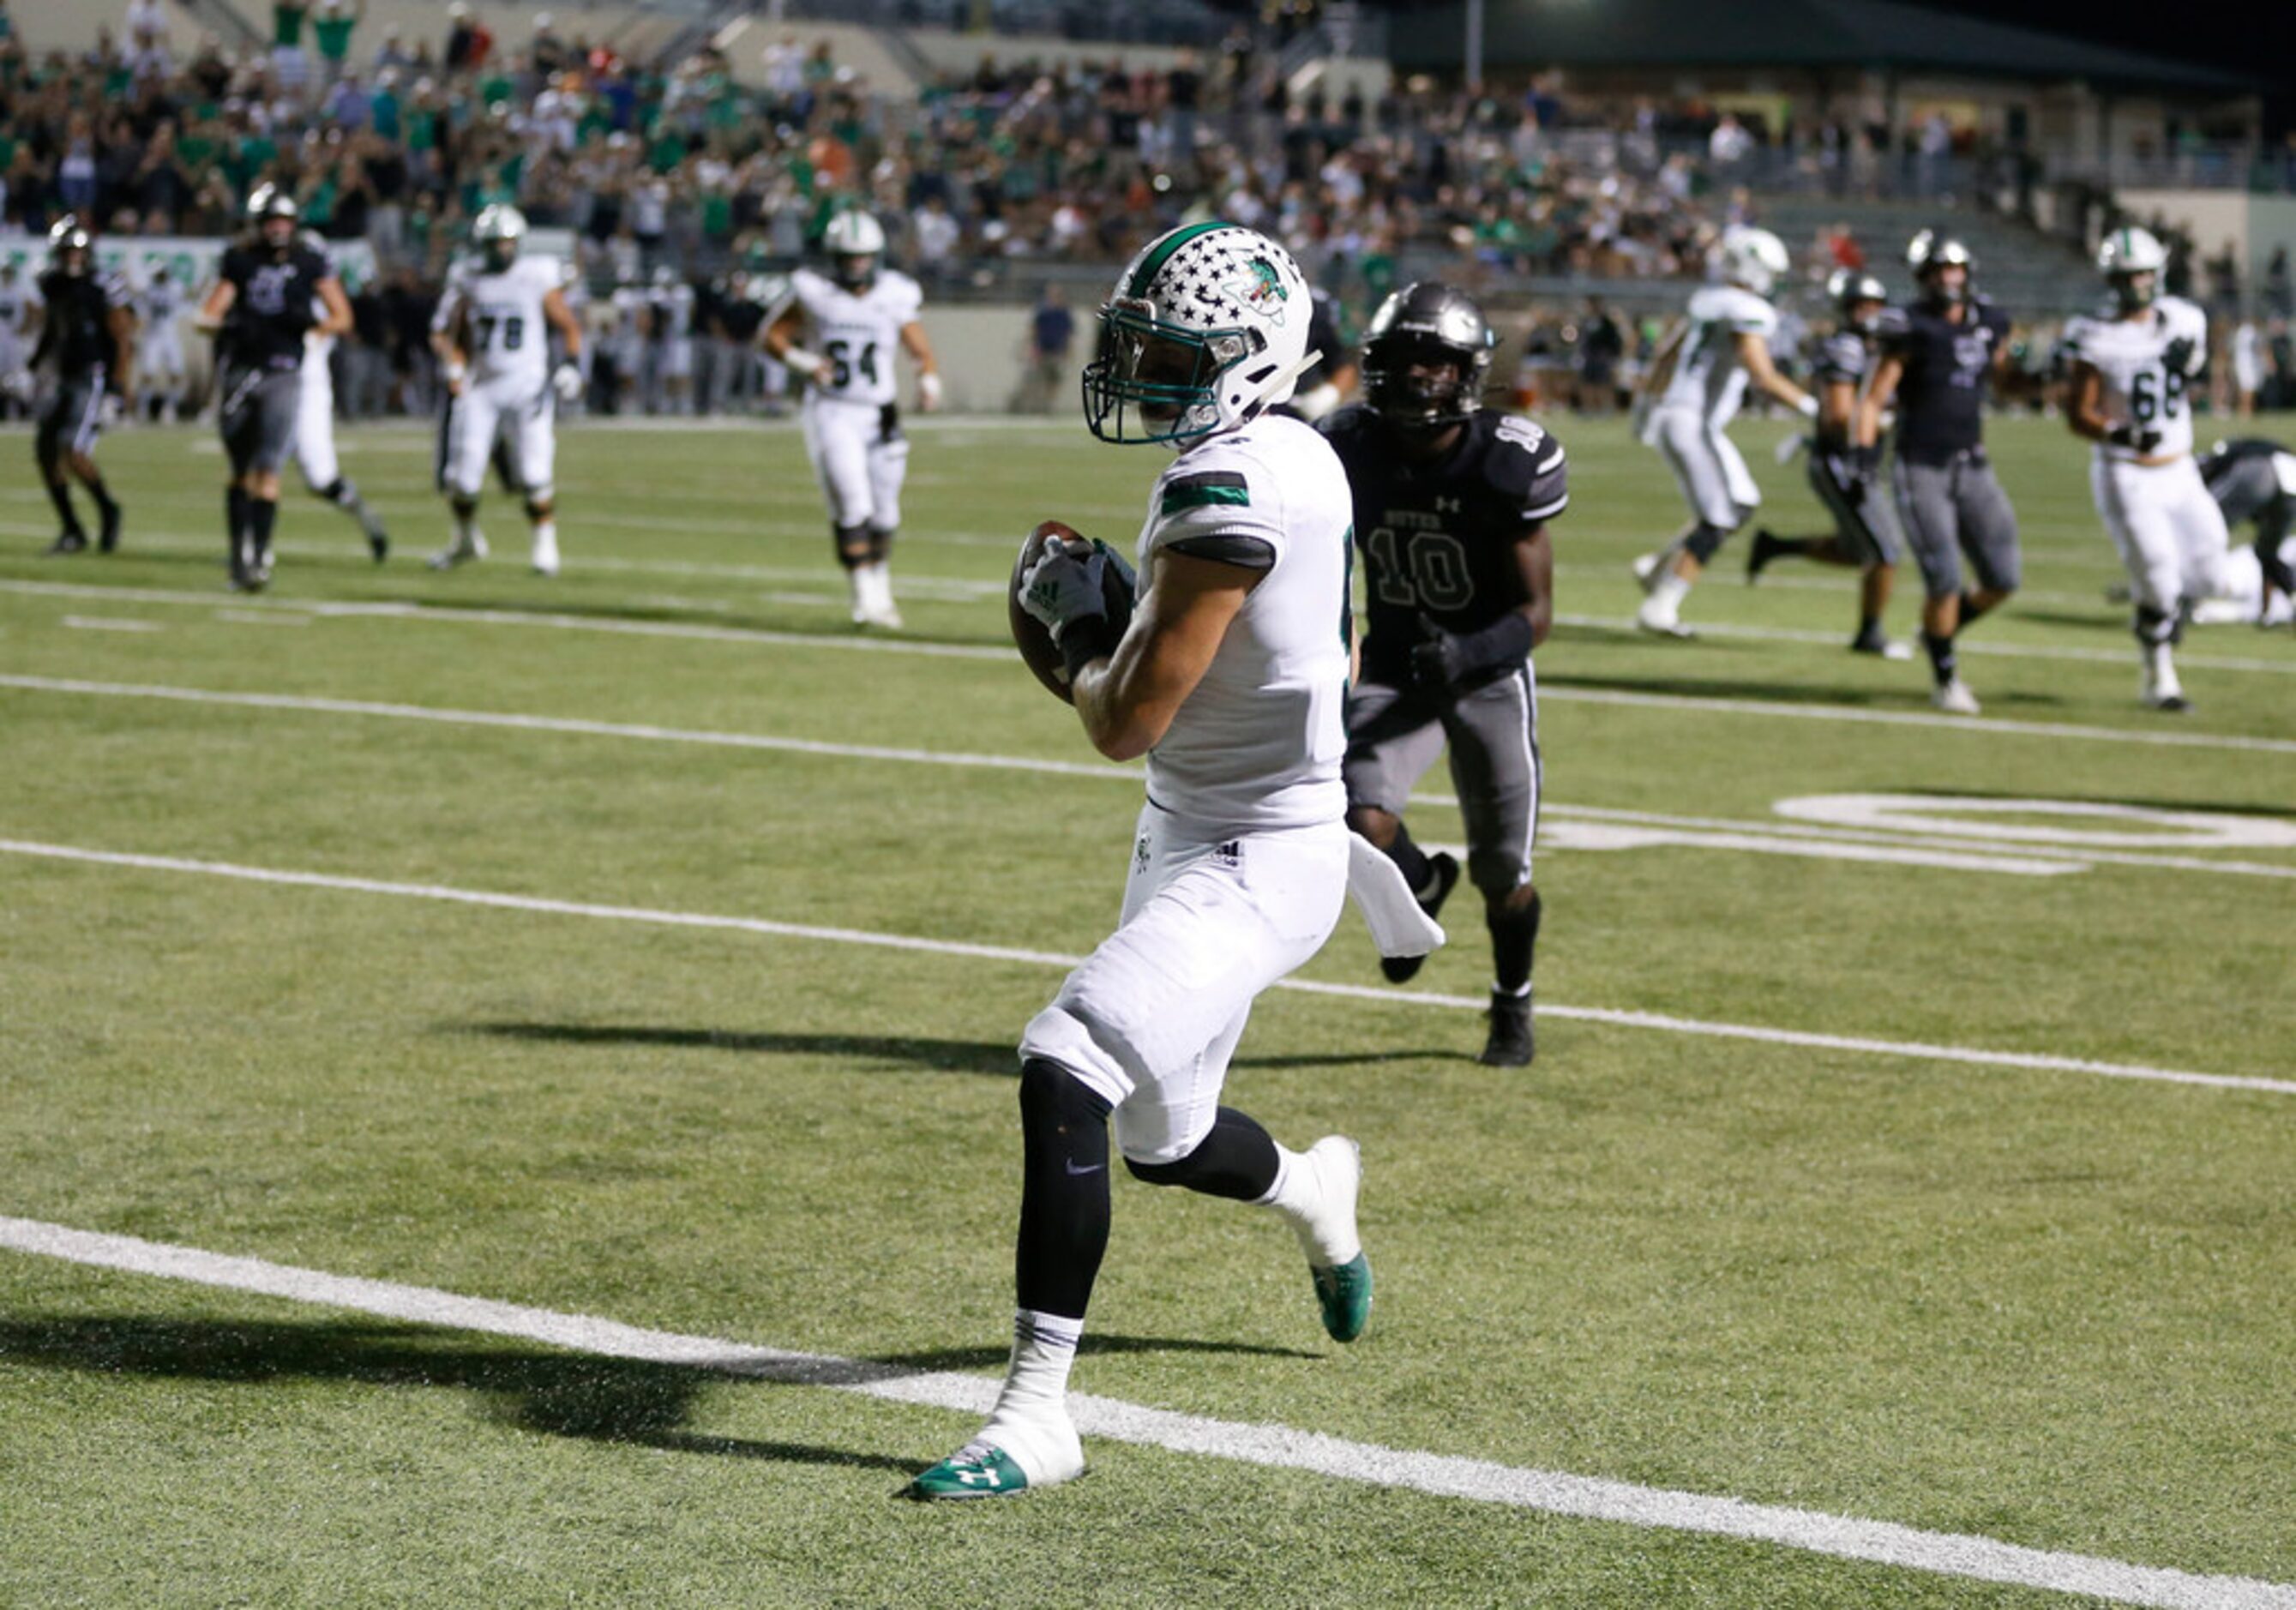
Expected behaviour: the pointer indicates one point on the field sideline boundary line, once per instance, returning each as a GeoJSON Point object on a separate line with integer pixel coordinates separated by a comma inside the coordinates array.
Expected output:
{"type": "Point", "coordinates": [2021, 852]}
{"type": "Point", "coordinates": [1277, 1447]}
{"type": "Point", "coordinates": [2023, 1061]}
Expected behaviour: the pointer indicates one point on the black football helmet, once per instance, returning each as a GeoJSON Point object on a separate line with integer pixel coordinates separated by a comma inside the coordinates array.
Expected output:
{"type": "Point", "coordinates": [70, 247]}
{"type": "Point", "coordinates": [1850, 288]}
{"type": "Point", "coordinates": [1928, 251]}
{"type": "Point", "coordinates": [1425, 356]}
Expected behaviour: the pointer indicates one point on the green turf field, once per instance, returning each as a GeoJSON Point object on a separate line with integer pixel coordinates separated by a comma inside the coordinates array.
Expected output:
{"type": "Point", "coordinates": [1894, 1206]}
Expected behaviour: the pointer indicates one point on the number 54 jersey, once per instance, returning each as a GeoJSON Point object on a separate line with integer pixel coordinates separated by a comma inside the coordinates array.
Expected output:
{"type": "Point", "coordinates": [508, 338]}
{"type": "Point", "coordinates": [2146, 363]}
{"type": "Point", "coordinates": [1438, 539]}
{"type": "Point", "coordinates": [857, 333]}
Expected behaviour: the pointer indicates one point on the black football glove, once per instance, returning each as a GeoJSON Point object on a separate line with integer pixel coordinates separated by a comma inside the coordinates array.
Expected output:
{"type": "Point", "coordinates": [2178, 358]}
{"type": "Point", "coordinates": [2128, 436]}
{"type": "Point", "coordinates": [1441, 659]}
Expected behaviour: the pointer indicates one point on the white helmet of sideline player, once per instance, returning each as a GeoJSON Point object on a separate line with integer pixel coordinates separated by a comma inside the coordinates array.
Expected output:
{"type": "Point", "coordinates": [2131, 261]}
{"type": "Point", "coordinates": [854, 241]}
{"type": "Point", "coordinates": [1751, 257]}
{"type": "Point", "coordinates": [1207, 325]}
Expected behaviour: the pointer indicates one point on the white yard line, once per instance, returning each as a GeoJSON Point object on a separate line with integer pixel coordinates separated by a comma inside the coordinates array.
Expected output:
{"type": "Point", "coordinates": [110, 623]}
{"type": "Point", "coordinates": [1697, 832]}
{"type": "Point", "coordinates": [1271, 1447]}
{"type": "Point", "coordinates": [437, 615]}
{"type": "Point", "coordinates": [2023, 1061]}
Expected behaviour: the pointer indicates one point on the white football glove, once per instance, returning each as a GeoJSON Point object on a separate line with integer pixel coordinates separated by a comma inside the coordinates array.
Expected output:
{"type": "Point", "coordinates": [929, 393]}
{"type": "Point", "coordinates": [1066, 585]}
{"type": "Point", "coordinates": [568, 381]}
{"type": "Point", "coordinates": [108, 410]}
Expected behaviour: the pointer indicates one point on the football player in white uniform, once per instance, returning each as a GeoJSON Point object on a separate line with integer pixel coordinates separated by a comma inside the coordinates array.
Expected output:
{"type": "Point", "coordinates": [315, 443]}
{"type": "Point", "coordinates": [1689, 398]}
{"type": "Point", "coordinates": [492, 335]}
{"type": "Point", "coordinates": [852, 425]}
{"type": "Point", "coordinates": [159, 355]}
{"type": "Point", "coordinates": [20, 308]}
{"type": "Point", "coordinates": [1230, 676]}
{"type": "Point", "coordinates": [669, 344]}
{"type": "Point", "coordinates": [2132, 370]}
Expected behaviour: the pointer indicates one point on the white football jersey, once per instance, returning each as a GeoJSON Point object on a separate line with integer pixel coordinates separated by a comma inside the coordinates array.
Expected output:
{"type": "Point", "coordinates": [160, 301]}
{"type": "Point", "coordinates": [1258, 742]}
{"type": "Point", "coordinates": [857, 335]}
{"type": "Point", "coordinates": [1707, 378]}
{"type": "Point", "coordinates": [2141, 385]}
{"type": "Point", "coordinates": [16, 304]}
{"type": "Point", "coordinates": [508, 339]}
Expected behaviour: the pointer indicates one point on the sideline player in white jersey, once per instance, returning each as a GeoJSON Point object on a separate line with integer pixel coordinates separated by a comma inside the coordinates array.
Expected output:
{"type": "Point", "coordinates": [19, 305]}
{"type": "Point", "coordinates": [852, 424]}
{"type": "Point", "coordinates": [492, 335]}
{"type": "Point", "coordinates": [669, 344]}
{"type": "Point", "coordinates": [2129, 392]}
{"type": "Point", "coordinates": [1231, 677]}
{"type": "Point", "coordinates": [315, 442]}
{"type": "Point", "coordinates": [160, 354]}
{"type": "Point", "coordinates": [1691, 395]}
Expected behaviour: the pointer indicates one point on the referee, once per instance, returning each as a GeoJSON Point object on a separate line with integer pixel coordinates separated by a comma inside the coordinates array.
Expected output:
{"type": "Point", "coordinates": [265, 300]}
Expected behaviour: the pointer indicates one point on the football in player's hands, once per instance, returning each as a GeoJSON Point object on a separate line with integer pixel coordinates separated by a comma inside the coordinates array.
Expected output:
{"type": "Point", "coordinates": [1031, 634]}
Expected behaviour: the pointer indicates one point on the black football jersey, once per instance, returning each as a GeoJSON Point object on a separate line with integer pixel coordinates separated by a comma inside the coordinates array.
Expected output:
{"type": "Point", "coordinates": [78, 331]}
{"type": "Point", "coordinates": [1439, 539]}
{"type": "Point", "coordinates": [1844, 357]}
{"type": "Point", "coordinates": [1949, 368]}
{"type": "Point", "coordinates": [272, 309]}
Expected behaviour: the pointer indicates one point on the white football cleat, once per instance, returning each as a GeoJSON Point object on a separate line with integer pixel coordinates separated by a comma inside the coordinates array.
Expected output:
{"type": "Point", "coordinates": [545, 553]}
{"type": "Point", "coordinates": [1954, 698]}
{"type": "Point", "coordinates": [461, 551]}
{"type": "Point", "coordinates": [2161, 690]}
{"type": "Point", "coordinates": [1661, 618]}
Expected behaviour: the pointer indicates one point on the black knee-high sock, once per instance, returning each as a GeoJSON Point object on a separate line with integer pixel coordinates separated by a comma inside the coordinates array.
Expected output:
{"type": "Point", "coordinates": [1238, 1160]}
{"type": "Point", "coordinates": [1064, 1190]}
{"type": "Point", "coordinates": [60, 494]}
{"type": "Point", "coordinates": [96, 489]}
{"type": "Point", "coordinates": [234, 513]}
{"type": "Point", "coordinates": [1410, 860]}
{"type": "Point", "coordinates": [1514, 935]}
{"type": "Point", "coordinates": [1944, 664]}
{"type": "Point", "coordinates": [1972, 611]}
{"type": "Point", "coordinates": [261, 512]}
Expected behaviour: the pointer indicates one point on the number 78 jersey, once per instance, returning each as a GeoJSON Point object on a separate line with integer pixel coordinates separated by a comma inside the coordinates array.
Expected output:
{"type": "Point", "coordinates": [508, 338]}
{"type": "Point", "coordinates": [2148, 364]}
{"type": "Point", "coordinates": [857, 333]}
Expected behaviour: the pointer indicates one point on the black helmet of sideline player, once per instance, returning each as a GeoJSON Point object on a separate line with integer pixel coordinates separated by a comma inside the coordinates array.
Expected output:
{"type": "Point", "coordinates": [497, 233]}
{"type": "Point", "coordinates": [1425, 356]}
{"type": "Point", "coordinates": [70, 247]}
{"type": "Point", "coordinates": [272, 215]}
{"type": "Point", "coordinates": [1929, 255]}
{"type": "Point", "coordinates": [1859, 297]}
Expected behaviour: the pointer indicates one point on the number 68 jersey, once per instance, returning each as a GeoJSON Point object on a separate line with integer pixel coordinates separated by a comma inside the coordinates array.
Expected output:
{"type": "Point", "coordinates": [857, 333]}
{"type": "Point", "coordinates": [506, 337]}
{"type": "Point", "coordinates": [2147, 364]}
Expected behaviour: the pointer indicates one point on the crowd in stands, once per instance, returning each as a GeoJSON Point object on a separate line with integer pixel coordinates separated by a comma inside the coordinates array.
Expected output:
{"type": "Point", "coordinates": [999, 179]}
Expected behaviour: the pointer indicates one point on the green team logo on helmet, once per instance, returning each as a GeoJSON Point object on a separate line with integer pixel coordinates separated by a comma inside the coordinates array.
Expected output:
{"type": "Point", "coordinates": [1262, 291]}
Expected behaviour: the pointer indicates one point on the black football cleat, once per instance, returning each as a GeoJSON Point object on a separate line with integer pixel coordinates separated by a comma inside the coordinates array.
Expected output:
{"type": "Point", "coordinates": [66, 544]}
{"type": "Point", "coordinates": [1402, 969]}
{"type": "Point", "coordinates": [1510, 1045]}
{"type": "Point", "coordinates": [107, 541]}
{"type": "Point", "coordinates": [1765, 549]}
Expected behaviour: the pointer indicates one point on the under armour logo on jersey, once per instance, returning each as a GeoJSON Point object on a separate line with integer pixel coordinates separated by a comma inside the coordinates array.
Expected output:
{"type": "Point", "coordinates": [1446, 505]}
{"type": "Point", "coordinates": [1229, 855]}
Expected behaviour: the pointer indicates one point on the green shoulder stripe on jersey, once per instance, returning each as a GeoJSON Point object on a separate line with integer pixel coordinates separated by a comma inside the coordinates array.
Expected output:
{"type": "Point", "coordinates": [1155, 260]}
{"type": "Point", "coordinates": [1210, 488]}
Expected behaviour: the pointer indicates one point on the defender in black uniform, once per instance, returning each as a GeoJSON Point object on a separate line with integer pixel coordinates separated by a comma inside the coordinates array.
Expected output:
{"type": "Point", "coordinates": [1451, 509]}
{"type": "Point", "coordinates": [259, 310]}
{"type": "Point", "coordinates": [2255, 480]}
{"type": "Point", "coordinates": [1844, 468]}
{"type": "Point", "coordinates": [88, 328]}
{"type": "Point", "coordinates": [1332, 378]}
{"type": "Point", "coordinates": [1939, 355]}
